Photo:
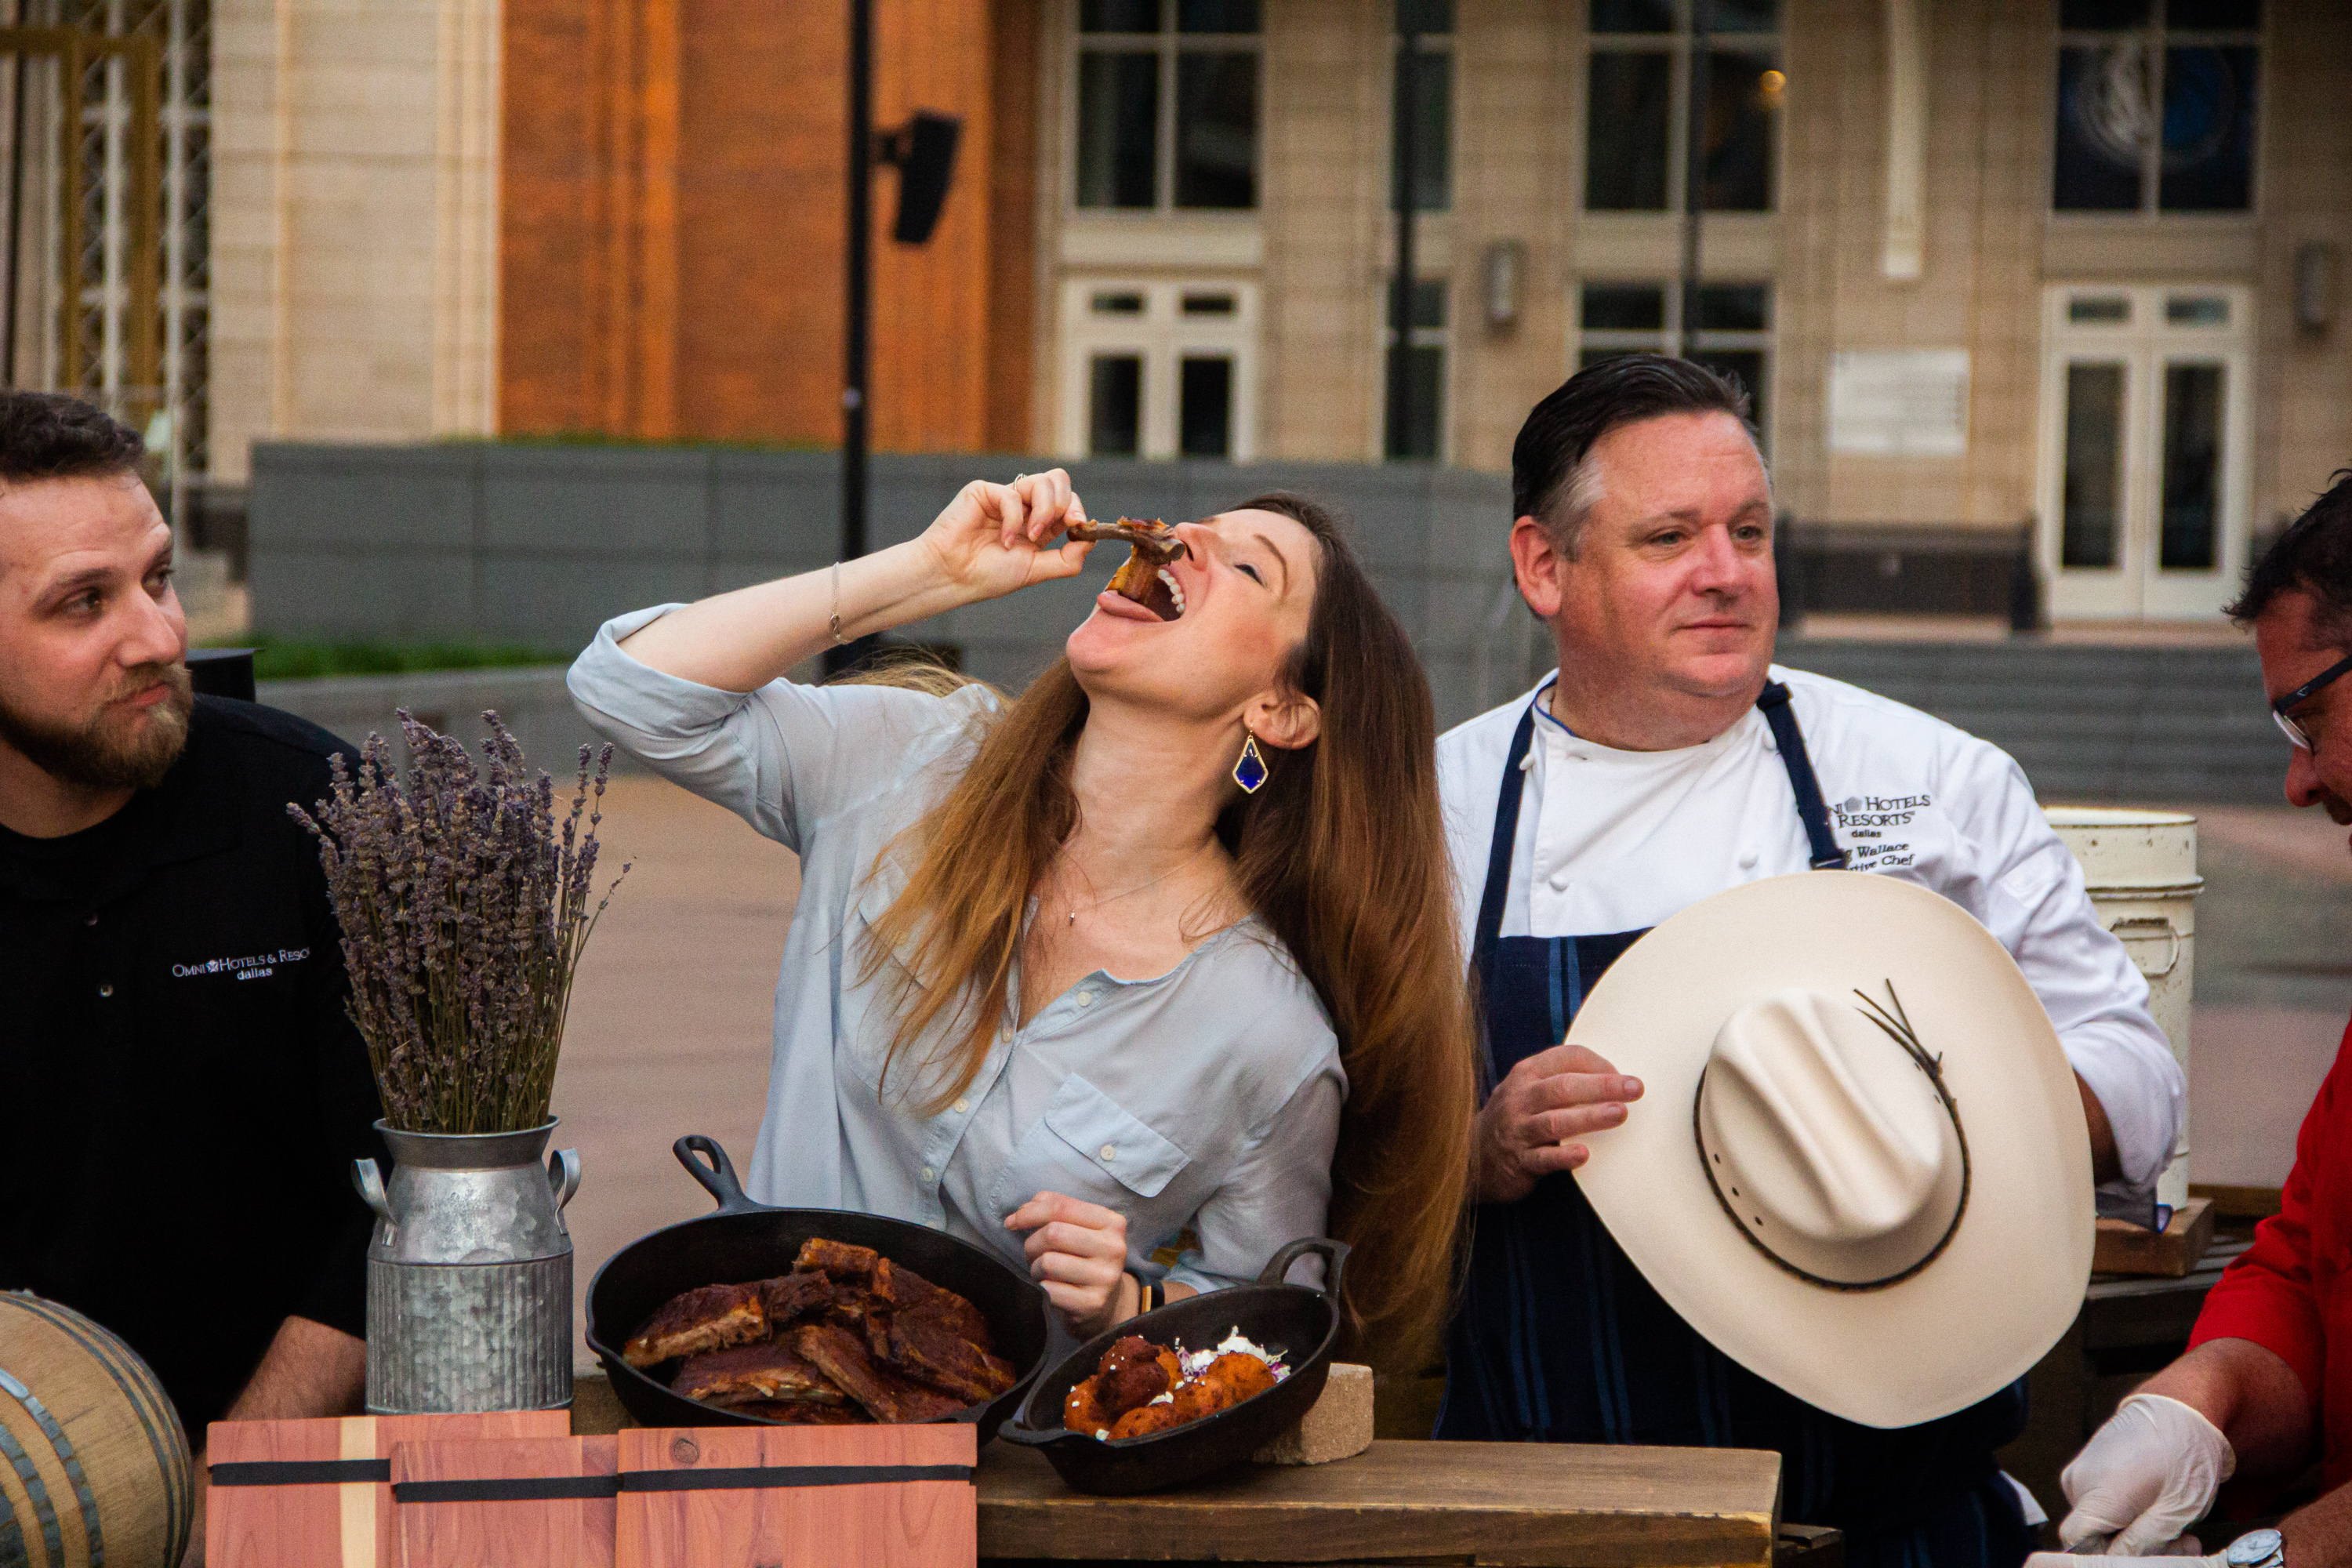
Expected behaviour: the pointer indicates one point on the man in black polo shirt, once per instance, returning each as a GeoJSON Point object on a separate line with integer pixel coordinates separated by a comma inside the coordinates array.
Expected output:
{"type": "Point", "coordinates": [181, 1092]}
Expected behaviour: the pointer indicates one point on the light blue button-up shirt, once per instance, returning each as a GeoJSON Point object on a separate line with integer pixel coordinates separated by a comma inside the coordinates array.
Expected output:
{"type": "Point", "coordinates": [1203, 1103]}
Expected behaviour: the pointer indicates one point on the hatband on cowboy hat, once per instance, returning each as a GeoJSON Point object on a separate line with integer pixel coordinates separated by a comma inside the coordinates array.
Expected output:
{"type": "Point", "coordinates": [1859, 1167]}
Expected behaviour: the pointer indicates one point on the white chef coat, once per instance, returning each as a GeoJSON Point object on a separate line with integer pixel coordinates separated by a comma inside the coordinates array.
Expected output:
{"type": "Point", "coordinates": [1614, 841]}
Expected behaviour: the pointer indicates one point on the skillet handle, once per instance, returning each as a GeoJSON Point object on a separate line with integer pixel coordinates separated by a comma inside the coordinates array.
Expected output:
{"type": "Point", "coordinates": [1013, 1431]}
{"type": "Point", "coordinates": [707, 1164]}
{"type": "Point", "coordinates": [1335, 1261]}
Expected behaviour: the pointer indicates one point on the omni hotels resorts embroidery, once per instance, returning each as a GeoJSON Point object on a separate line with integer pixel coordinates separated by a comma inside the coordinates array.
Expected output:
{"type": "Point", "coordinates": [1870, 820]}
{"type": "Point", "coordinates": [256, 967]}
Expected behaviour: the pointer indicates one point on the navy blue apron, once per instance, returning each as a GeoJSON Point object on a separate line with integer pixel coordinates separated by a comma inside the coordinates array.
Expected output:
{"type": "Point", "coordinates": [1559, 1339]}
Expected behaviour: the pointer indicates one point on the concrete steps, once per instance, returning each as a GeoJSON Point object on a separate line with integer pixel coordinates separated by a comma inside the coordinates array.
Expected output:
{"type": "Point", "coordinates": [2119, 725]}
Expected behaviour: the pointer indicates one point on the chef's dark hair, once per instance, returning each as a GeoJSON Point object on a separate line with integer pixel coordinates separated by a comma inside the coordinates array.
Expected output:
{"type": "Point", "coordinates": [49, 436]}
{"type": "Point", "coordinates": [2314, 555]}
{"type": "Point", "coordinates": [1548, 460]}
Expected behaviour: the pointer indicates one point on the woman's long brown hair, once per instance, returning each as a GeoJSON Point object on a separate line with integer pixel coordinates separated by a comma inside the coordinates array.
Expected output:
{"type": "Point", "coordinates": [1342, 853]}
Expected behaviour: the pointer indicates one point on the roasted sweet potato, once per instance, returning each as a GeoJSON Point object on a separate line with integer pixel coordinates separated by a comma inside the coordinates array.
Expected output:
{"type": "Point", "coordinates": [1082, 1412]}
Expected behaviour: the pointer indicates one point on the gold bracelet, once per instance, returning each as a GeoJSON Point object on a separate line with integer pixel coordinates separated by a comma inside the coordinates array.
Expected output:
{"type": "Point", "coordinates": [833, 622]}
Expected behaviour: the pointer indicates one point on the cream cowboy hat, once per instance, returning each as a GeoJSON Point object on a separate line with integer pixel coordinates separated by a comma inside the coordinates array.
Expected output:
{"type": "Point", "coordinates": [1859, 1167]}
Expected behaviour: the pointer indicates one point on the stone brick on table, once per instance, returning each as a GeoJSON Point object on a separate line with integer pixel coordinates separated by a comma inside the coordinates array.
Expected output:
{"type": "Point", "coordinates": [1339, 1426]}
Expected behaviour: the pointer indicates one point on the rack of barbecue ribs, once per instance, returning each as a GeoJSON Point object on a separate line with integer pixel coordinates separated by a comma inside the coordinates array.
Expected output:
{"type": "Point", "coordinates": [1152, 544]}
{"type": "Point", "coordinates": [709, 1319]}
{"type": "Point", "coordinates": [847, 1336]}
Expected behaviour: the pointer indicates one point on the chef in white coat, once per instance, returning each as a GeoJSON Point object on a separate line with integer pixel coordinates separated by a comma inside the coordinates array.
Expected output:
{"type": "Point", "coordinates": [1665, 760]}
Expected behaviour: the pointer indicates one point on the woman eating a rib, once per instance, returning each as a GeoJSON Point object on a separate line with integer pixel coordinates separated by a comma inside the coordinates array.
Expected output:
{"type": "Point", "coordinates": [1132, 978]}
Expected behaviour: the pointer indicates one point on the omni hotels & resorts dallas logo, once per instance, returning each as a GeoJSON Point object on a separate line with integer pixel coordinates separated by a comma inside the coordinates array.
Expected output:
{"type": "Point", "coordinates": [253, 968]}
{"type": "Point", "coordinates": [1873, 823]}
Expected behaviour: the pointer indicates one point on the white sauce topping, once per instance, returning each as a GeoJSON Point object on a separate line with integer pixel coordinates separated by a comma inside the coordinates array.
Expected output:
{"type": "Point", "coordinates": [1195, 1363]}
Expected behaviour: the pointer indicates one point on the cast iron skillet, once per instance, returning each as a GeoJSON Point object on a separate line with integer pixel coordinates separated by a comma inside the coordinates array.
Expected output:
{"type": "Point", "coordinates": [746, 1241]}
{"type": "Point", "coordinates": [1297, 1322]}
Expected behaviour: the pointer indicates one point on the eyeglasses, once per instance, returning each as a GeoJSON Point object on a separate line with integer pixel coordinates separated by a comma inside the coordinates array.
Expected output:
{"type": "Point", "coordinates": [2302, 694]}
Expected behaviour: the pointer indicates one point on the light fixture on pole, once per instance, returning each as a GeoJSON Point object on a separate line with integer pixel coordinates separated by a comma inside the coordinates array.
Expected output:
{"type": "Point", "coordinates": [2317, 264]}
{"type": "Point", "coordinates": [1506, 261]}
{"type": "Point", "coordinates": [923, 151]}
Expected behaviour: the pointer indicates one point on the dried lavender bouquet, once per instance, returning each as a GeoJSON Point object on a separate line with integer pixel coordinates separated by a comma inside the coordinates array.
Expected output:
{"type": "Point", "coordinates": [464, 910]}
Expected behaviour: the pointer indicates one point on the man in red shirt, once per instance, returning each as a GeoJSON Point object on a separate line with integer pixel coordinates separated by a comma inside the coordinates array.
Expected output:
{"type": "Point", "coordinates": [2266, 1385]}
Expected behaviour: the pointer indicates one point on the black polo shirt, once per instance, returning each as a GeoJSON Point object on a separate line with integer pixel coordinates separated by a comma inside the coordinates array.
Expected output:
{"type": "Point", "coordinates": [181, 1091]}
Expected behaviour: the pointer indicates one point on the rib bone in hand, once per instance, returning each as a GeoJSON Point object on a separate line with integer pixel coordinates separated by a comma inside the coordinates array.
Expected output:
{"type": "Point", "coordinates": [1153, 546]}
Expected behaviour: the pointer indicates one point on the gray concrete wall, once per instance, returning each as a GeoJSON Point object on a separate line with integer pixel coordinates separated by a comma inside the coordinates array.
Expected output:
{"type": "Point", "coordinates": [531, 702]}
{"type": "Point", "coordinates": [539, 545]}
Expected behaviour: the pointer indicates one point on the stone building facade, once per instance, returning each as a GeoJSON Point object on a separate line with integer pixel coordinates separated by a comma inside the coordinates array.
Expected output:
{"type": "Point", "coordinates": [354, 222]}
{"type": "Point", "coordinates": [2070, 271]}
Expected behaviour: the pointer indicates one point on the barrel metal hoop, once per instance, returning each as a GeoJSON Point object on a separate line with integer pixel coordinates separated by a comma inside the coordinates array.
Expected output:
{"type": "Point", "coordinates": [52, 1536]}
{"type": "Point", "coordinates": [172, 1459]}
{"type": "Point", "coordinates": [12, 1537]}
{"type": "Point", "coordinates": [64, 1447]}
{"type": "Point", "coordinates": [145, 1396]}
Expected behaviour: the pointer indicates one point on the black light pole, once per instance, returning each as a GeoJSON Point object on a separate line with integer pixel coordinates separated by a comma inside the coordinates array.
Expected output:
{"type": "Point", "coordinates": [1702, 73]}
{"type": "Point", "coordinates": [1399, 431]}
{"type": "Point", "coordinates": [860, 307]}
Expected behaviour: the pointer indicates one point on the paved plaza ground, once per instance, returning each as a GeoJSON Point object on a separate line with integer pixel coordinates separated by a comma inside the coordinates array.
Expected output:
{"type": "Point", "coordinates": [670, 1021]}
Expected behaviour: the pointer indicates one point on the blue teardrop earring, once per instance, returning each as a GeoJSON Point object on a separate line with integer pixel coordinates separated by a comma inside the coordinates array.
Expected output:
{"type": "Point", "coordinates": [1250, 771]}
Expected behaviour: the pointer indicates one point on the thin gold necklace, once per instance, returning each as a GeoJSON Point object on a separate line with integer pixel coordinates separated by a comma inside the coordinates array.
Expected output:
{"type": "Point", "coordinates": [1077, 910]}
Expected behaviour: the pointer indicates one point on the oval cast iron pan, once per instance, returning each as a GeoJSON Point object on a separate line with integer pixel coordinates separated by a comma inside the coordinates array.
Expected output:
{"type": "Point", "coordinates": [1300, 1324]}
{"type": "Point", "coordinates": [746, 1241]}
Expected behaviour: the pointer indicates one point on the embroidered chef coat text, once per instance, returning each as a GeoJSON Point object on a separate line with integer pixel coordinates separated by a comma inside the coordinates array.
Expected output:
{"type": "Point", "coordinates": [252, 968]}
{"type": "Point", "coordinates": [1865, 820]}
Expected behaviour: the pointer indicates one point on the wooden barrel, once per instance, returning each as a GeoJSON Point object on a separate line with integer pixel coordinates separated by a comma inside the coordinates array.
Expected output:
{"type": "Point", "coordinates": [94, 1469]}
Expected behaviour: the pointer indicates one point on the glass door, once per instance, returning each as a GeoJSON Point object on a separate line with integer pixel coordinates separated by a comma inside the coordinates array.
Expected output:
{"type": "Point", "coordinates": [2142, 467]}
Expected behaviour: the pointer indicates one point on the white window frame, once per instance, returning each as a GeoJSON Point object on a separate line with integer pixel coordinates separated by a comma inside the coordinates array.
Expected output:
{"type": "Point", "coordinates": [1678, 45]}
{"type": "Point", "coordinates": [1670, 338]}
{"type": "Point", "coordinates": [1162, 335]}
{"type": "Point", "coordinates": [2154, 37]}
{"type": "Point", "coordinates": [1166, 43]}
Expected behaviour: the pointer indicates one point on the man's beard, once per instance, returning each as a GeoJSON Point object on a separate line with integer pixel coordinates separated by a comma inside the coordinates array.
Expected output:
{"type": "Point", "coordinates": [113, 749]}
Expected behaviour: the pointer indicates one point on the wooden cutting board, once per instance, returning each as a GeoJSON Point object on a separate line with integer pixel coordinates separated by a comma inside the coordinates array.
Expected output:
{"type": "Point", "coordinates": [518, 1502]}
{"type": "Point", "coordinates": [318, 1493]}
{"type": "Point", "coordinates": [797, 1497]}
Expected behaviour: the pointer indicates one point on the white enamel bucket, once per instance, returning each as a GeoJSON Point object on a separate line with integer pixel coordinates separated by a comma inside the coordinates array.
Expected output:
{"type": "Point", "coordinates": [2140, 869]}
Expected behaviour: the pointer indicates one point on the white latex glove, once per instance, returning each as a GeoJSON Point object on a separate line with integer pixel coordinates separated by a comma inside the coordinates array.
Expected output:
{"type": "Point", "coordinates": [2148, 1474]}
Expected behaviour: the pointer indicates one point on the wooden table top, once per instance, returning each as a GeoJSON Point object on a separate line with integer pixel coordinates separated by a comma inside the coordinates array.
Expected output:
{"type": "Point", "coordinates": [1502, 1503]}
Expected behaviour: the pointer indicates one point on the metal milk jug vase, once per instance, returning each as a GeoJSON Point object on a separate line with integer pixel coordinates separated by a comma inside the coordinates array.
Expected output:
{"type": "Point", "coordinates": [469, 1273]}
